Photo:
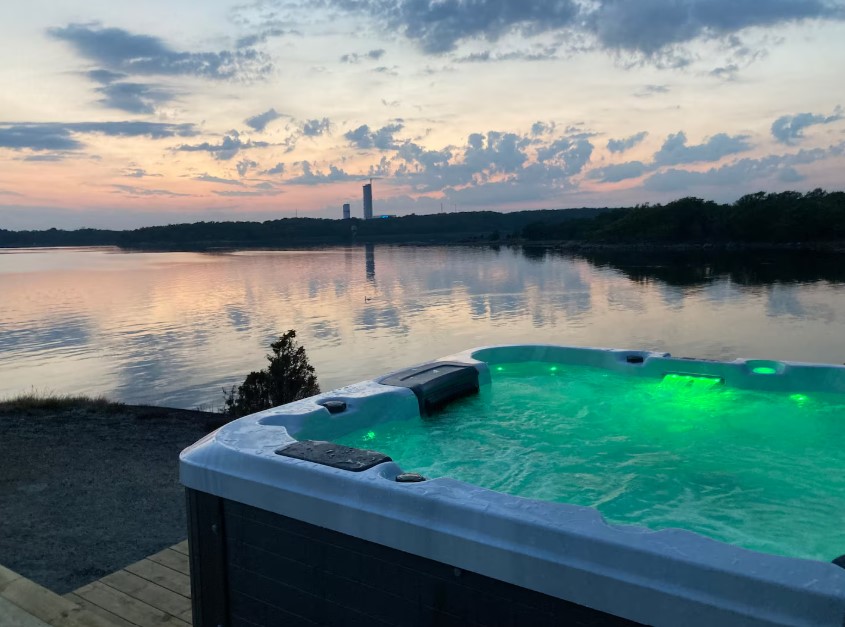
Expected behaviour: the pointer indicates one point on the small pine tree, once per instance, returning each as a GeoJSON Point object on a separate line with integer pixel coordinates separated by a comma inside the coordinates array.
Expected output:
{"type": "Point", "coordinates": [289, 377]}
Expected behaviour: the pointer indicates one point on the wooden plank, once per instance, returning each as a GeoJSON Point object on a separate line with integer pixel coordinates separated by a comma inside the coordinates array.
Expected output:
{"type": "Point", "coordinates": [38, 601]}
{"type": "Point", "coordinates": [153, 594]}
{"type": "Point", "coordinates": [13, 616]}
{"type": "Point", "coordinates": [113, 619]}
{"type": "Point", "coordinates": [133, 610]}
{"type": "Point", "coordinates": [166, 577]}
{"type": "Point", "coordinates": [49, 607]}
{"type": "Point", "coordinates": [172, 559]}
{"type": "Point", "coordinates": [182, 547]}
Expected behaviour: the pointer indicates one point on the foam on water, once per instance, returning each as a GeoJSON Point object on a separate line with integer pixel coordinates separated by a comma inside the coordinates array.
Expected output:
{"type": "Point", "coordinates": [759, 470]}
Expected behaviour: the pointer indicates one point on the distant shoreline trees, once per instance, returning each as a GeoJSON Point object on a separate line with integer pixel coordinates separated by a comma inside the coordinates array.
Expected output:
{"type": "Point", "coordinates": [816, 216]}
{"type": "Point", "coordinates": [773, 218]}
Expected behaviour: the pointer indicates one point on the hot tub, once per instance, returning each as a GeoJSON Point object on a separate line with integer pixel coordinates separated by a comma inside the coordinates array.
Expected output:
{"type": "Point", "coordinates": [286, 526]}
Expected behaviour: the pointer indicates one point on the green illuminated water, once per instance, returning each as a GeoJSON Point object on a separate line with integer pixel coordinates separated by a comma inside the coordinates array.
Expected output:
{"type": "Point", "coordinates": [759, 470]}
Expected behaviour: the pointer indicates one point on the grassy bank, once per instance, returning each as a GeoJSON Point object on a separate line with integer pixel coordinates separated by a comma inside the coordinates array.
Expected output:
{"type": "Point", "coordinates": [50, 401]}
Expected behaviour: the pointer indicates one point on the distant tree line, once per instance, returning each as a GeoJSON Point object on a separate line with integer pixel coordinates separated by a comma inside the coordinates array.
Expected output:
{"type": "Point", "coordinates": [445, 227]}
{"type": "Point", "coordinates": [816, 216]}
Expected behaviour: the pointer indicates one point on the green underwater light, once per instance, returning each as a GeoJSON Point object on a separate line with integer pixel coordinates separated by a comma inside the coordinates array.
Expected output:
{"type": "Point", "coordinates": [763, 370]}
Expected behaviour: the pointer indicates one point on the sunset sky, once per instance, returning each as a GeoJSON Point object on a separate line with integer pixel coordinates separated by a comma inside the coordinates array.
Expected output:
{"type": "Point", "coordinates": [118, 114]}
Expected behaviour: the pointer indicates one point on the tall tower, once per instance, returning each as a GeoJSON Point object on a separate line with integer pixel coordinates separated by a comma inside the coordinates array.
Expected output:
{"type": "Point", "coordinates": [368, 201]}
{"type": "Point", "coordinates": [346, 211]}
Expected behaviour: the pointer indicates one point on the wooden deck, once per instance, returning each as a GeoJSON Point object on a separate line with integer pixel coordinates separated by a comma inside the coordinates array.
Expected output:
{"type": "Point", "coordinates": [153, 592]}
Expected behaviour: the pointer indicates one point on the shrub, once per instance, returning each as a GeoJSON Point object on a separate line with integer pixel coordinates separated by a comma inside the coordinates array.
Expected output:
{"type": "Point", "coordinates": [289, 377]}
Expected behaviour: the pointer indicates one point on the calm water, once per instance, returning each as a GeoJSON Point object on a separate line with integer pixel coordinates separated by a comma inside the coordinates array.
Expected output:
{"type": "Point", "coordinates": [759, 470]}
{"type": "Point", "coordinates": [175, 328]}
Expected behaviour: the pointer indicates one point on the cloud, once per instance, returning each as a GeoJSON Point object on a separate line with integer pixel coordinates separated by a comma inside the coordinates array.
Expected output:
{"type": "Point", "coordinates": [133, 97]}
{"type": "Point", "coordinates": [313, 128]}
{"type": "Point", "coordinates": [652, 29]}
{"type": "Point", "coordinates": [245, 165]}
{"type": "Point", "coordinates": [128, 96]}
{"type": "Point", "coordinates": [542, 128]}
{"type": "Point", "coordinates": [59, 157]}
{"type": "Point", "coordinates": [652, 90]}
{"type": "Point", "coordinates": [310, 177]}
{"type": "Point", "coordinates": [207, 178]}
{"type": "Point", "coordinates": [248, 193]}
{"type": "Point", "coordinates": [440, 27]}
{"type": "Point", "coordinates": [247, 41]}
{"type": "Point", "coordinates": [789, 129]}
{"type": "Point", "coordinates": [354, 57]}
{"type": "Point", "coordinates": [153, 130]}
{"type": "Point", "coordinates": [226, 149]}
{"type": "Point", "coordinates": [675, 150]}
{"type": "Point", "coordinates": [138, 173]}
{"type": "Point", "coordinates": [259, 122]}
{"type": "Point", "coordinates": [650, 26]}
{"type": "Point", "coordinates": [495, 161]}
{"type": "Point", "coordinates": [118, 50]}
{"type": "Point", "coordinates": [737, 172]}
{"type": "Point", "coordinates": [104, 76]}
{"type": "Point", "coordinates": [725, 72]}
{"type": "Point", "coordinates": [618, 172]}
{"type": "Point", "coordinates": [390, 71]}
{"type": "Point", "coordinates": [279, 168]}
{"type": "Point", "coordinates": [382, 139]}
{"type": "Point", "coordinates": [59, 136]}
{"type": "Point", "coordinates": [497, 192]}
{"type": "Point", "coordinates": [790, 175]}
{"type": "Point", "coordinates": [8, 192]}
{"type": "Point", "coordinates": [572, 154]}
{"type": "Point", "coordinates": [497, 152]}
{"type": "Point", "coordinates": [38, 137]}
{"type": "Point", "coordinates": [541, 53]}
{"type": "Point", "coordinates": [621, 145]}
{"type": "Point", "coordinates": [131, 190]}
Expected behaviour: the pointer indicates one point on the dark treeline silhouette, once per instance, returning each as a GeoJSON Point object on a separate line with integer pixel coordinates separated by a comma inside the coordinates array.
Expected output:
{"type": "Point", "coordinates": [816, 216]}
{"type": "Point", "coordinates": [761, 218]}
{"type": "Point", "coordinates": [445, 227]}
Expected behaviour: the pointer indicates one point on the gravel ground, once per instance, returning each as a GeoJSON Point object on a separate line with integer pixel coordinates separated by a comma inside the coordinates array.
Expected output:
{"type": "Point", "coordinates": [85, 492]}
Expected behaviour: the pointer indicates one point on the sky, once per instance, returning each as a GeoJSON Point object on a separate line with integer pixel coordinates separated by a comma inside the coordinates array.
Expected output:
{"type": "Point", "coordinates": [119, 115]}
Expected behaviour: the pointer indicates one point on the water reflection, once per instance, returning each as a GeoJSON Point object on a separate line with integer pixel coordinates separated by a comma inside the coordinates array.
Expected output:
{"type": "Point", "coordinates": [370, 256]}
{"type": "Point", "coordinates": [751, 268]}
{"type": "Point", "coordinates": [174, 328]}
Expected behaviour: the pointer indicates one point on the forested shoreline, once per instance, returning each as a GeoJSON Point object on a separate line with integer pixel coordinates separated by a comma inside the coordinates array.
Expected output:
{"type": "Point", "coordinates": [786, 219]}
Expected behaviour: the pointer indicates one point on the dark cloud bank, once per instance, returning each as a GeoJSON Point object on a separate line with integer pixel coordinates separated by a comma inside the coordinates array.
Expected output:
{"type": "Point", "coordinates": [59, 136]}
{"type": "Point", "coordinates": [120, 54]}
{"type": "Point", "coordinates": [646, 27]}
{"type": "Point", "coordinates": [119, 51]}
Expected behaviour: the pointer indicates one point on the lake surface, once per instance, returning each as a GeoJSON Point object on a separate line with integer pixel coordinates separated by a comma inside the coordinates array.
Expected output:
{"type": "Point", "coordinates": [176, 328]}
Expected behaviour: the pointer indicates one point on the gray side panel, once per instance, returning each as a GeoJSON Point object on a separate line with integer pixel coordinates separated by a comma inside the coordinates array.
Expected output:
{"type": "Point", "coordinates": [285, 572]}
{"type": "Point", "coordinates": [206, 544]}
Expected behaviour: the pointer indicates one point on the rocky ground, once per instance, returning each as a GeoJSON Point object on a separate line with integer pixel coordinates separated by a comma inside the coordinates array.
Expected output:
{"type": "Point", "coordinates": [89, 488]}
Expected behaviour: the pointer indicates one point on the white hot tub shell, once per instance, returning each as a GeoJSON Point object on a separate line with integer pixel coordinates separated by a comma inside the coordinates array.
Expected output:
{"type": "Point", "coordinates": [283, 532]}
